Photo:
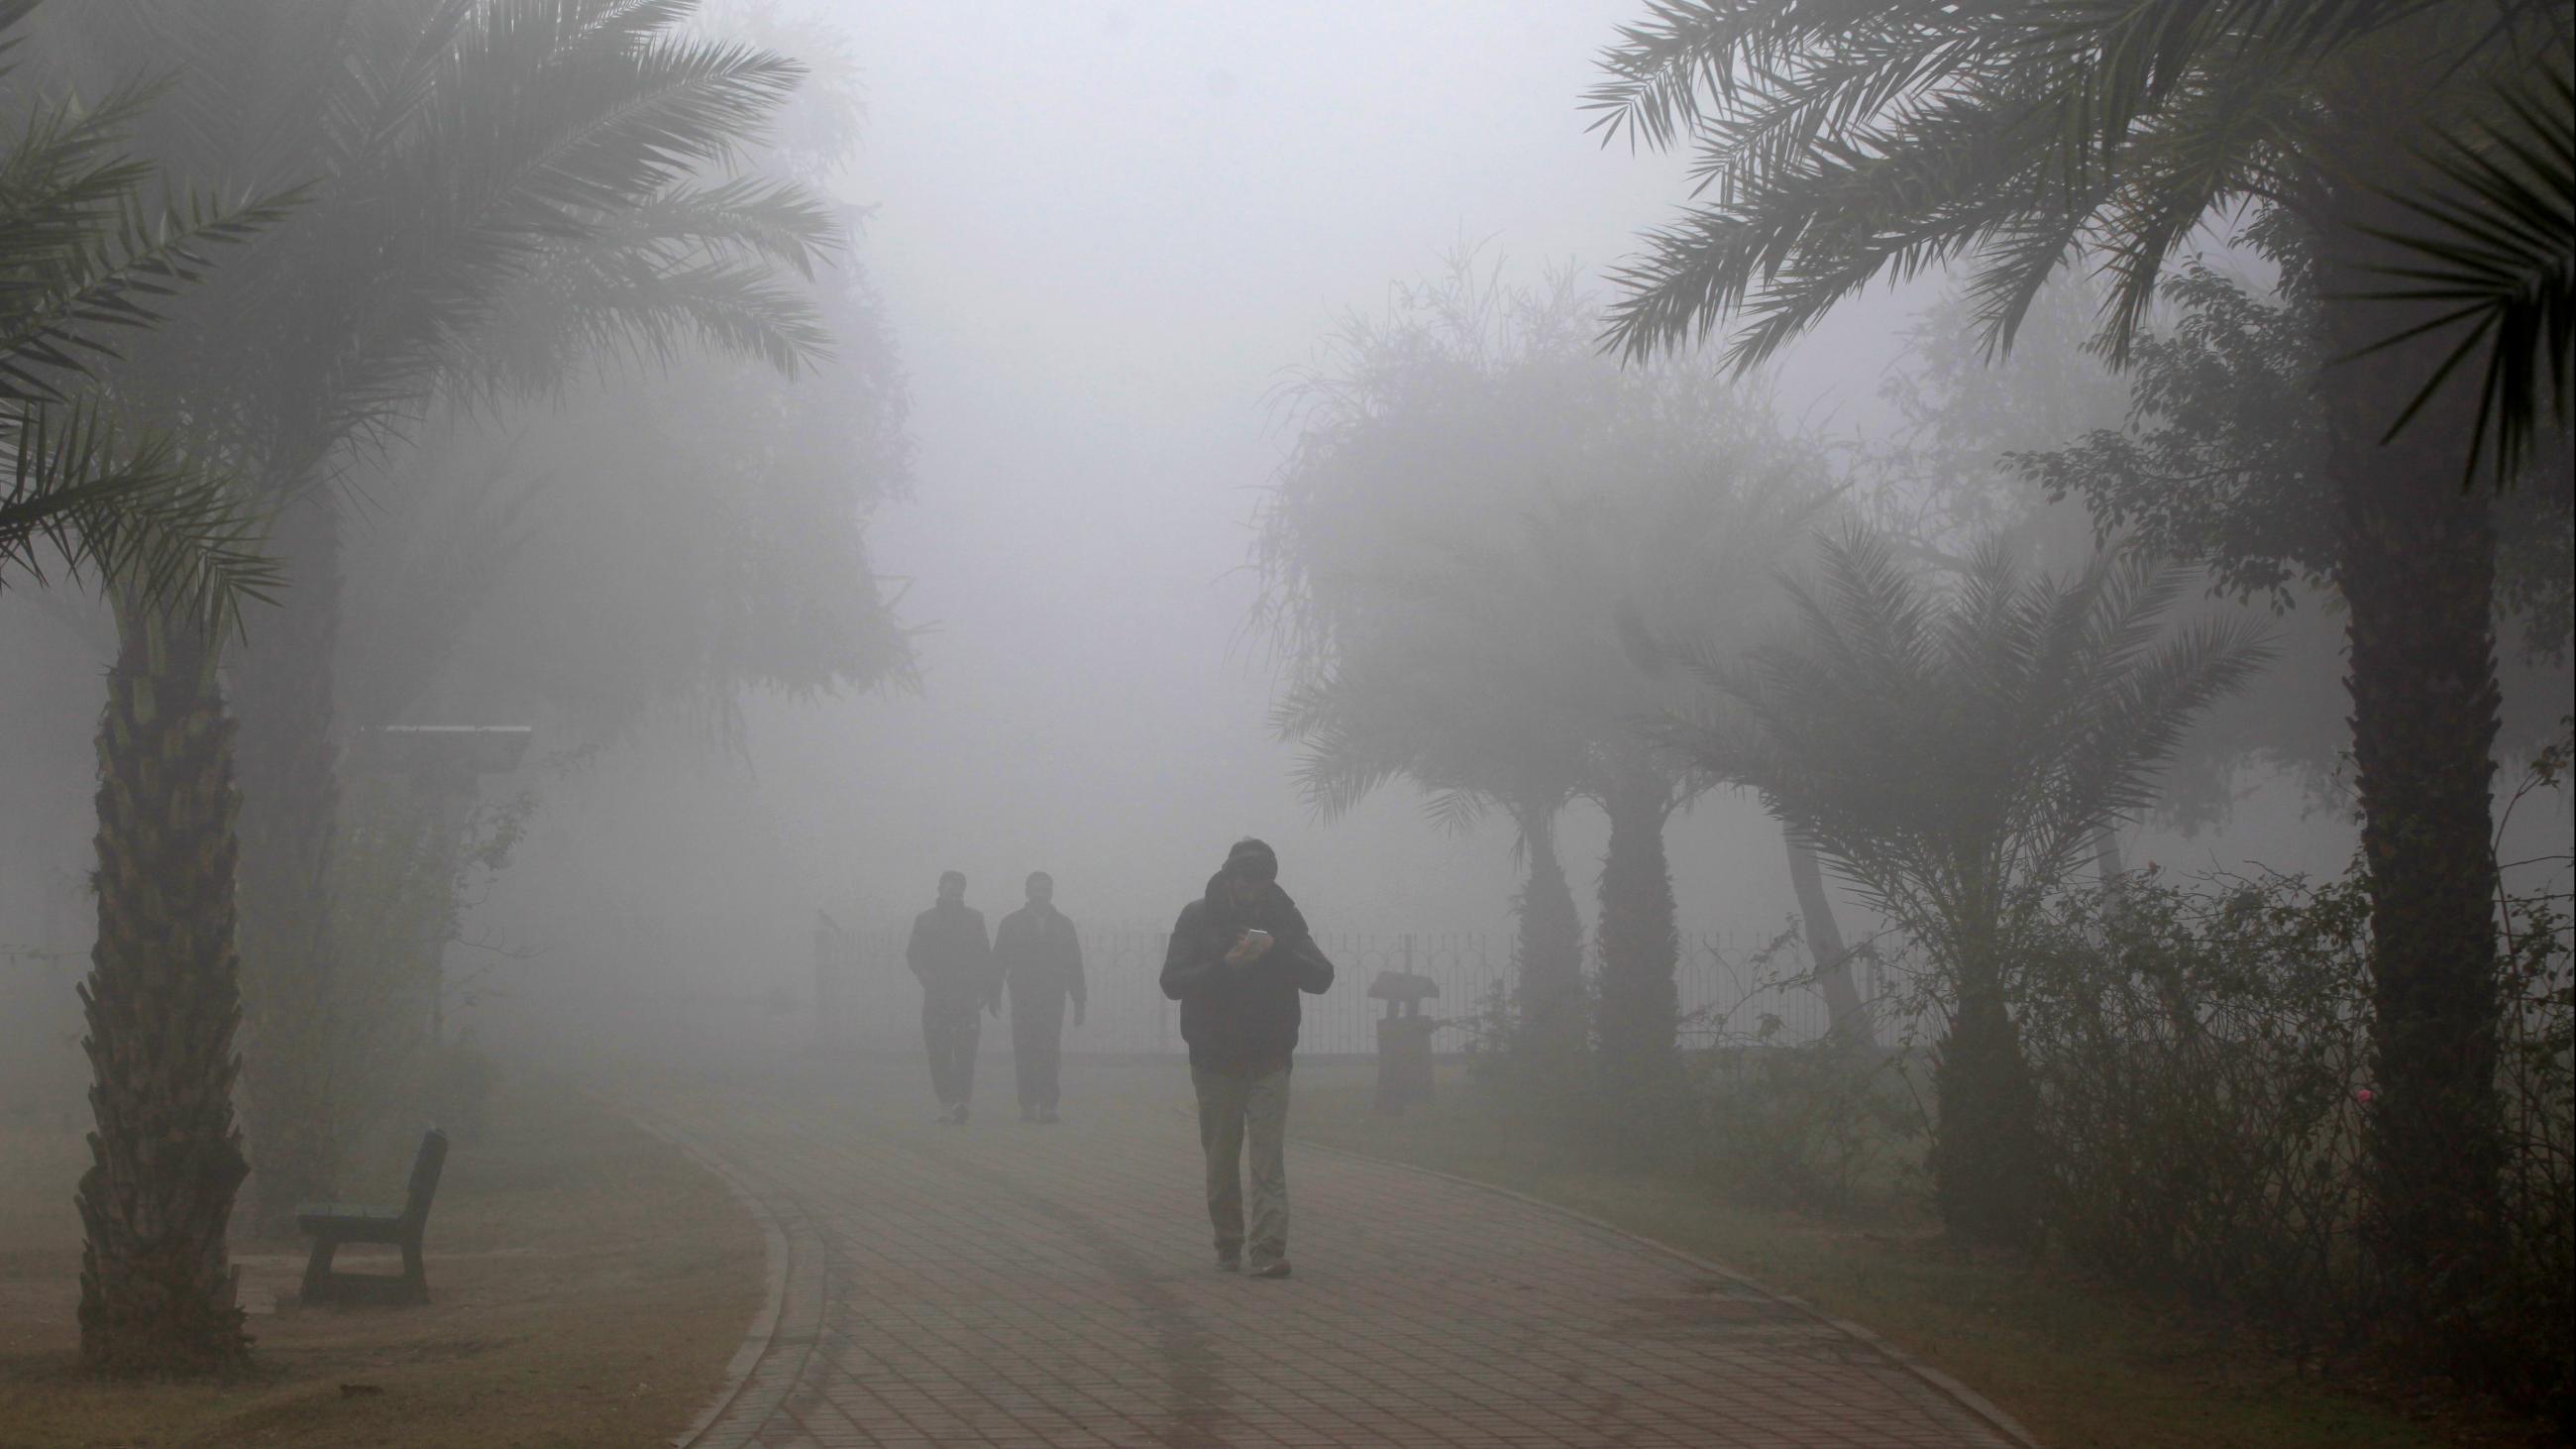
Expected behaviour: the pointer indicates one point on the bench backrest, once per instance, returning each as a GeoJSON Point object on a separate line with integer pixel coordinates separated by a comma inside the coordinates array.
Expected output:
{"type": "Point", "coordinates": [424, 1175]}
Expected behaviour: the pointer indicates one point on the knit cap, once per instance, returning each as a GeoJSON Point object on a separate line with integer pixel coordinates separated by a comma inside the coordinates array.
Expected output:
{"type": "Point", "coordinates": [1253, 859]}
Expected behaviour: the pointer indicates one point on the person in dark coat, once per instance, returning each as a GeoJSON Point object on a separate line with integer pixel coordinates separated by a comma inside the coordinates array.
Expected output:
{"type": "Point", "coordinates": [1239, 957]}
{"type": "Point", "coordinates": [1040, 960]}
{"type": "Point", "coordinates": [954, 959]}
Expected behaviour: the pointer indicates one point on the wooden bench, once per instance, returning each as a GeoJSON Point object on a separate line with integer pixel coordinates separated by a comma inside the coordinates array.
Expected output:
{"type": "Point", "coordinates": [333, 1224]}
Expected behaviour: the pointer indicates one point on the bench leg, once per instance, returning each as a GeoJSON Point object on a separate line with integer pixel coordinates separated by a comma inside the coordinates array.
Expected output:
{"type": "Point", "coordinates": [317, 1269]}
{"type": "Point", "coordinates": [415, 1278]}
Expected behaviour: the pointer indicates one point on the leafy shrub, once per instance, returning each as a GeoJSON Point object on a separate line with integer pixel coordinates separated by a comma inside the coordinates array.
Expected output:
{"type": "Point", "coordinates": [2202, 1056]}
{"type": "Point", "coordinates": [2198, 1051]}
{"type": "Point", "coordinates": [1809, 1125]}
{"type": "Point", "coordinates": [1761, 1120]}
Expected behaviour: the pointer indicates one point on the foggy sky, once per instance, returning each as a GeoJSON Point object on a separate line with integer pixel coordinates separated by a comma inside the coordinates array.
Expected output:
{"type": "Point", "coordinates": [1103, 233]}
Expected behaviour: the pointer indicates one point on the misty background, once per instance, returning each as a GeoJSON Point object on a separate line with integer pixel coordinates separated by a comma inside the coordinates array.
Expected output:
{"type": "Point", "coordinates": [1099, 238]}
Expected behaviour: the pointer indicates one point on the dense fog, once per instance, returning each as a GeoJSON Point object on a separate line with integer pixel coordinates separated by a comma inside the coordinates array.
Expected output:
{"type": "Point", "coordinates": [957, 526]}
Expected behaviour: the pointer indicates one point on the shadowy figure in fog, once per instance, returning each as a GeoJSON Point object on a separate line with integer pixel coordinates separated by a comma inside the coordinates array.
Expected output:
{"type": "Point", "coordinates": [1040, 960]}
{"type": "Point", "coordinates": [954, 959]}
{"type": "Point", "coordinates": [1239, 956]}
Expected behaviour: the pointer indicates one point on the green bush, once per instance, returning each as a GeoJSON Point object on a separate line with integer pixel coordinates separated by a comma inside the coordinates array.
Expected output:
{"type": "Point", "coordinates": [2200, 1049]}
{"type": "Point", "coordinates": [2202, 1056]}
{"type": "Point", "coordinates": [1811, 1125]}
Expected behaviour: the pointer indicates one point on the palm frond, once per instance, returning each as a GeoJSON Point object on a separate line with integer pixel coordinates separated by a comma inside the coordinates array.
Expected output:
{"type": "Point", "coordinates": [1970, 763]}
{"type": "Point", "coordinates": [2497, 253]}
{"type": "Point", "coordinates": [1841, 142]}
{"type": "Point", "coordinates": [132, 511]}
{"type": "Point", "coordinates": [51, 331]}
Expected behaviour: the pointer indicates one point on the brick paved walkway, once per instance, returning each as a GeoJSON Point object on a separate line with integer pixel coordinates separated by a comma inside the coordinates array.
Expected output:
{"type": "Point", "coordinates": [1005, 1284]}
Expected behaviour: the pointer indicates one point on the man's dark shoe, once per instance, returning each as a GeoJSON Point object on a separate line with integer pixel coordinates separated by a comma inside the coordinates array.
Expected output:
{"type": "Point", "coordinates": [1028, 1114]}
{"type": "Point", "coordinates": [961, 1114]}
{"type": "Point", "coordinates": [1229, 1262]}
{"type": "Point", "coordinates": [1048, 1116]}
{"type": "Point", "coordinates": [1276, 1268]}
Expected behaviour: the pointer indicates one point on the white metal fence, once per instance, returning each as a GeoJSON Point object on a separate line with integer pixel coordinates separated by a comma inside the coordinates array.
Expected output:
{"type": "Point", "coordinates": [863, 994]}
{"type": "Point", "coordinates": [868, 994]}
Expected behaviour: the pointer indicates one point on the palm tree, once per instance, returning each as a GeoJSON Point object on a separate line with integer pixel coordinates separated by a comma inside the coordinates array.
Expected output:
{"type": "Point", "coordinates": [1840, 143]}
{"type": "Point", "coordinates": [1475, 503]}
{"type": "Point", "coordinates": [1953, 755]}
{"type": "Point", "coordinates": [163, 529]}
{"type": "Point", "coordinates": [502, 190]}
{"type": "Point", "coordinates": [1437, 709]}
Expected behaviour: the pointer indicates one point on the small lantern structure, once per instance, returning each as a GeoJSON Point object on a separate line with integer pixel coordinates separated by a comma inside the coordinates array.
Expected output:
{"type": "Point", "coordinates": [1403, 1039]}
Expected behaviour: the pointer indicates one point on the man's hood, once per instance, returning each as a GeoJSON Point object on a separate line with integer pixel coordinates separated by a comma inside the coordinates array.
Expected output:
{"type": "Point", "coordinates": [1216, 893]}
{"type": "Point", "coordinates": [1275, 902]}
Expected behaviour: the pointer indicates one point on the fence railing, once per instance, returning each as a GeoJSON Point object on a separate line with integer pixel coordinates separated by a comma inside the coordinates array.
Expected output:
{"type": "Point", "coordinates": [1723, 982]}
{"type": "Point", "coordinates": [861, 992]}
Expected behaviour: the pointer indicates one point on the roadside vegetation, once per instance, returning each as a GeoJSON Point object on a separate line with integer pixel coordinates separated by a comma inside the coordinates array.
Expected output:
{"type": "Point", "coordinates": [2082, 1361]}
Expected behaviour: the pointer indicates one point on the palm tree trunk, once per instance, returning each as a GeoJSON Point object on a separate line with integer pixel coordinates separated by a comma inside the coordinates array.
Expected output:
{"type": "Point", "coordinates": [2417, 573]}
{"type": "Point", "coordinates": [1550, 948]}
{"type": "Point", "coordinates": [1986, 1154]}
{"type": "Point", "coordinates": [162, 1002]}
{"type": "Point", "coordinates": [1846, 1018]}
{"type": "Point", "coordinates": [1639, 949]}
{"type": "Point", "coordinates": [290, 792]}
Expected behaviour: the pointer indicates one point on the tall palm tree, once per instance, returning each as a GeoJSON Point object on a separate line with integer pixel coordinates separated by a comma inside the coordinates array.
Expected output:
{"type": "Point", "coordinates": [1436, 708]}
{"type": "Point", "coordinates": [1474, 503]}
{"type": "Point", "coordinates": [502, 190]}
{"type": "Point", "coordinates": [161, 526]}
{"type": "Point", "coordinates": [1953, 755]}
{"type": "Point", "coordinates": [1839, 143]}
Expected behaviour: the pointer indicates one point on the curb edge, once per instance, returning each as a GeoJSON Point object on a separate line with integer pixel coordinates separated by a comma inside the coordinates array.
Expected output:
{"type": "Point", "coordinates": [777, 1253]}
{"type": "Point", "coordinates": [1977, 1404]}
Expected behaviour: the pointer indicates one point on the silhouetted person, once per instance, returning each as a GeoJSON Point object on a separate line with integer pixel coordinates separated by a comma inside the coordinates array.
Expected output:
{"type": "Point", "coordinates": [1040, 960]}
{"type": "Point", "coordinates": [1239, 956]}
{"type": "Point", "coordinates": [954, 959]}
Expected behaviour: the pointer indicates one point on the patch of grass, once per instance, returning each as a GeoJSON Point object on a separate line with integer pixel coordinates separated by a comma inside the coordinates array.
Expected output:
{"type": "Point", "coordinates": [589, 1284]}
{"type": "Point", "coordinates": [2080, 1364]}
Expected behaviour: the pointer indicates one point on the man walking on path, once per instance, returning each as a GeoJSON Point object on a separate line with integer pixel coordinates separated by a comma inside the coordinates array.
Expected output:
{"type": "Point", "coordinates": [954, 959]}
{"type": "Point", "coordinates": [1239, 956]}
{"type": "Point", "coordinates": [1040, 960]}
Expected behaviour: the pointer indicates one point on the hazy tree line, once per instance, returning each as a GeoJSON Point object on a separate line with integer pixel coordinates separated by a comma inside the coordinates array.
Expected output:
{"type": "Point", "coordinates": [281, 303]}
{"type": "Point", "coordinates": [1517, 575]}
{"type": "Point", "coordinates": [285, 281]}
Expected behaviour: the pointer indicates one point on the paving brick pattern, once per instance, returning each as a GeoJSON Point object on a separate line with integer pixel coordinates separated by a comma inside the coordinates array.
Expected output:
{"type": "Point", "coordinates": [1003, 1284]}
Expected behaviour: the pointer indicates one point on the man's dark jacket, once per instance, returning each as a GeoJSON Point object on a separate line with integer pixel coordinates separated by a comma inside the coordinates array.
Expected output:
{"type": "Point", "coordinates": [1241, 1020]}
{"type": "Point", "coordinates": [1037, 951]}
{"type": "Point", "coordinates": [951, 954]}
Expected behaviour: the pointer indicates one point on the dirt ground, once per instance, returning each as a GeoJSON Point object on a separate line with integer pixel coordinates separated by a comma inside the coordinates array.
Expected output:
{"type": "Point", "coordinates": [589, 1284]}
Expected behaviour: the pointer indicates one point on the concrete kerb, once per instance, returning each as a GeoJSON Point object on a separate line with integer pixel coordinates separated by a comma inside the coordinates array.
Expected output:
{"type": "Point", "coordinates": [780, 1260]}
{"type": "Point", "coordinates": [1967, 1398]}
